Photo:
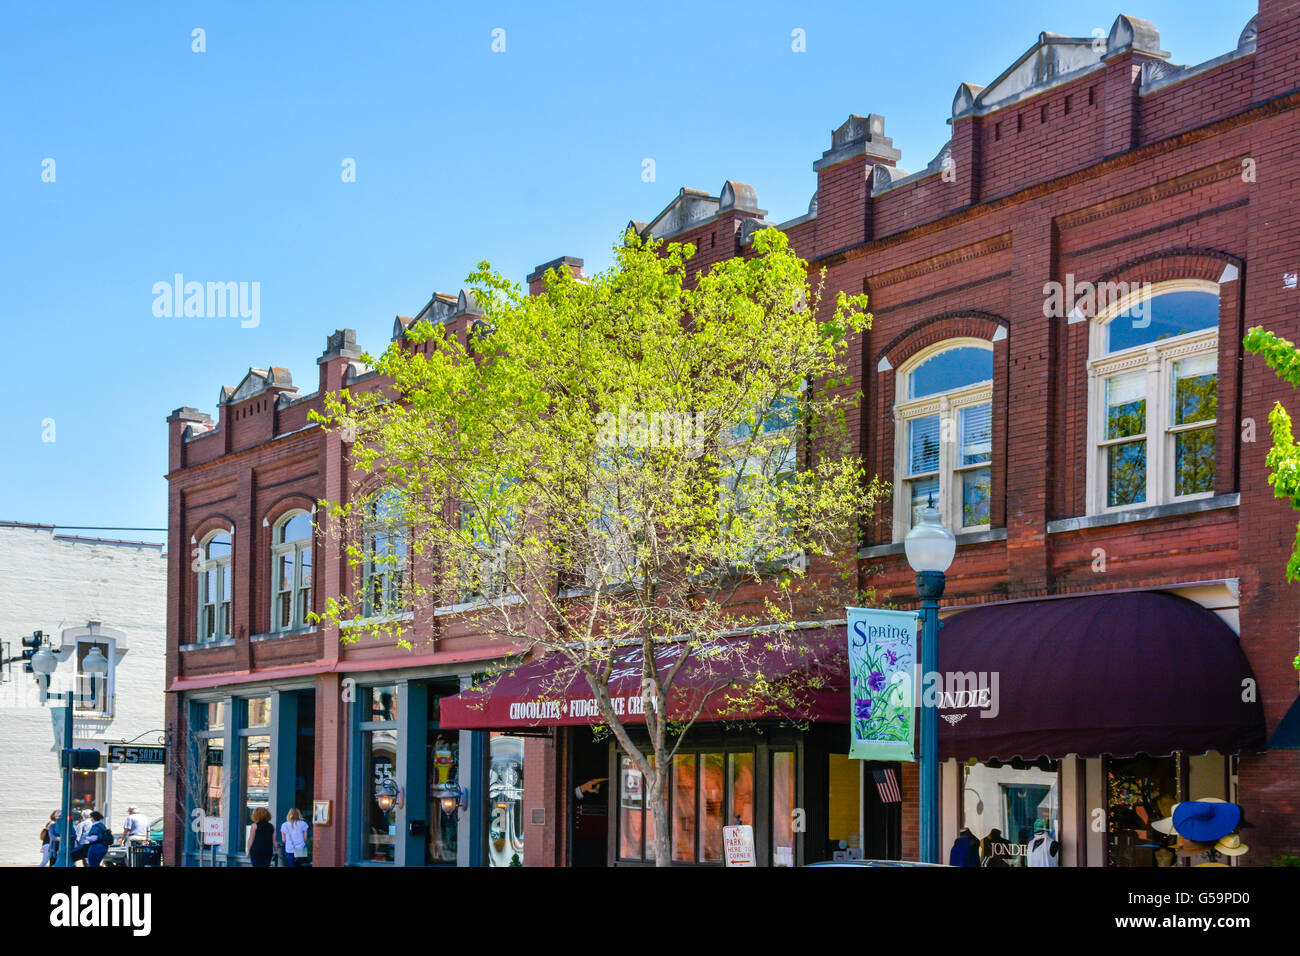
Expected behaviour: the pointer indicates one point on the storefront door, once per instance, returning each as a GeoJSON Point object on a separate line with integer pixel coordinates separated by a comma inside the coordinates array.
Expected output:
{"type": "Point", "coordinates": [589, 787]}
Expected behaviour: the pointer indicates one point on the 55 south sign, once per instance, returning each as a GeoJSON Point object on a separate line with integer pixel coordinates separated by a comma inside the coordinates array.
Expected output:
{"type": "Point", "coordinates": [882, 669]}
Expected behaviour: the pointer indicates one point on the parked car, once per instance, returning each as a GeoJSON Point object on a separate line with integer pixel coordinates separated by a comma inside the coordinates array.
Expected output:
{"type": "Point", "coordinates": [117, 856]}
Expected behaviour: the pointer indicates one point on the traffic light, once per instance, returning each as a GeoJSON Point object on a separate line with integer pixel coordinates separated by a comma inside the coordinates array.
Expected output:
{"type": "Point", "coordinates": [81, 759]}
{"type": "Point", "coordinates": [30, 646]}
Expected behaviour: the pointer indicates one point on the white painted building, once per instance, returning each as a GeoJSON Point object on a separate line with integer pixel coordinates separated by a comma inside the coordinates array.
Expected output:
{"type": "Point", "coordinates": [80, 592]}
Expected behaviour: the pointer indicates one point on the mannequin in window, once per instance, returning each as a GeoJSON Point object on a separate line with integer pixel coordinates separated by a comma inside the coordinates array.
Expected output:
{"type": "Point", "coordinates": [965, 849]}
{"type": "Point", "coordinates": [997, 850]}
{"type": "Point", "coordinates": [1043, 849]}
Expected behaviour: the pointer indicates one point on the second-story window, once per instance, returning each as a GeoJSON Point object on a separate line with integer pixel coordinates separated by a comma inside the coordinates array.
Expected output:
{"type": "Point", "coordinates": [757, 458]}
{"type": "Point", "coordinates": [1153, 397]}
{"type": "Point", "coordinates": [291, 542]}
{"type": "Point", "coordinates": [944, 436]}
{"type": "Point", "coordinates": [386, 542]}
{"type": "Point", "coordinates": [484, 571]}
{"type": "Point", "coordinates": [214, 587]}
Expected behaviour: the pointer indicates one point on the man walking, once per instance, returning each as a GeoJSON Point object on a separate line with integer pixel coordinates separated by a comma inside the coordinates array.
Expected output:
{"type": "Point", "coordinates": [134, 831]}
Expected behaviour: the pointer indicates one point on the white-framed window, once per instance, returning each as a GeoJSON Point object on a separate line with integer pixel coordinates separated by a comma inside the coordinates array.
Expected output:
{"type": "Point", "coordinates": [485, 571]}
{"type": "Point", "coordinates": [214, 587]}
{"type": "Point", "coordinates": [386, 545]}
{"type": "Point", "coordinates": [943, 435]}
{"type": "Point", "coordinates": [756, 457]}
{"type": "Point", "coordinates": [1153, 397]}
{"type": "Point", "coordinates": [291, 566]}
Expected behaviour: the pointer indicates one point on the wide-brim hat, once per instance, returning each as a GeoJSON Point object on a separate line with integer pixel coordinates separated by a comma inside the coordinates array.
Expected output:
{"type": "Point", "coordinates": [1165, 825]}
{"type": "Point", "coordinates": [1205, 820]}
{"type": "Point", "coordinates": [1231, 845]}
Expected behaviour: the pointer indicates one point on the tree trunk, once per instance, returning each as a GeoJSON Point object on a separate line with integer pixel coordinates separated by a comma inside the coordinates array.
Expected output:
{"type": "Point", "coordinates": [658, 795]}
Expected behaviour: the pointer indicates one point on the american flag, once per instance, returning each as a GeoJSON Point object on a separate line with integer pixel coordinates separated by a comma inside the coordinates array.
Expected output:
{"type": "Point", "coordinates": [887, 785]}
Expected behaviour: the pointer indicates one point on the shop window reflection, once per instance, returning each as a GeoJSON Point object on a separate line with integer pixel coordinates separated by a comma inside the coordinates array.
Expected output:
{"type": "Point", "coordinates": [1139, 790]}
{"type": "Point", "coordinates": [1002, 805]}
{"type": "Point", "coordinates": [381, 825]}
{"type": "Point", "coordinates": [444, 782]}
{"type": "Point", "coordinates": [684, 791]}
{"type": "Point", "coordinates": [506, 801]}
{"type": "Point", "coordinates": [257, 778]}
{"type": "Point", "coordinates": [712, 790]}
{"type": "Point", "coordinates": [783, 808]}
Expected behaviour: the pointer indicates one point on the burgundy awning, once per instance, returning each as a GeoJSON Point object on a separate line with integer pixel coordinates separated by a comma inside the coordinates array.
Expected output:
{"type": "Point", "coordinates": [1119, 674]}
{"type": "Point", "coordinates": [548, 692]}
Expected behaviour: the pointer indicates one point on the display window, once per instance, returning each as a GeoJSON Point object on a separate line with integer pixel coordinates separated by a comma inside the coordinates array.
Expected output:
{"type": "Point", "coordinates": [1139, 791]}
{"type": "Point", "coordinates": [1011, 815]}
{"type": "Point", "coordinates": [505, 794]}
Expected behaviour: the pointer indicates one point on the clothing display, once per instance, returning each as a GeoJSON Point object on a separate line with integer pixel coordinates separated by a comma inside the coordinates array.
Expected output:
{"type": "Point", "coordinates": [1043, 849]}
{"type": "Point", "coordinates": [997, 850]}
{"type": "Point", "coordinates": [965, 849]}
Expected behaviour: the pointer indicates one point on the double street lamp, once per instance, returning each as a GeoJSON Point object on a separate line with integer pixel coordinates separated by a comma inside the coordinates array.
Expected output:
{"type": "Point", "coordinates": [930, 548]}
{"type": "Point", "coordinates": [95, 665]}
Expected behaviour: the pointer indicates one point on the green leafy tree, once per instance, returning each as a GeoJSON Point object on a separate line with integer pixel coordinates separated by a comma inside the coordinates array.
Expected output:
{"type": "Point", "coordinates": [648, 460]}
{"type": "Point", "coordinates": [1283, 458]}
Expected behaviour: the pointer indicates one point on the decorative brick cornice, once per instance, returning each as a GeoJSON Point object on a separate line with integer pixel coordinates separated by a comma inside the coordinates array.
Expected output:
{"type": "Point", "coordinates": [1134, 157]}
{"type": "Point", "coordinates": [953, 257]}
{"type": "Point", "coordinates": [1218, 172]}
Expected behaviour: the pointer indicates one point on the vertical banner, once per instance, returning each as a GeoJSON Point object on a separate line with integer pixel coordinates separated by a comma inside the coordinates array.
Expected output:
{"type": "Point", "coordinates": [882, 669]}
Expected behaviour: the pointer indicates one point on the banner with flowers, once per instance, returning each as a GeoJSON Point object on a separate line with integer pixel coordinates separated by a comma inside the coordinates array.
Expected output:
{"type": "Point", "coordinates": [882, 669]}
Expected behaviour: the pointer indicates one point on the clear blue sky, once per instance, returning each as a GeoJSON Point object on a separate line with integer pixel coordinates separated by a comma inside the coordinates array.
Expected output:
{"type": "Point", "coordinates": [225, 166]}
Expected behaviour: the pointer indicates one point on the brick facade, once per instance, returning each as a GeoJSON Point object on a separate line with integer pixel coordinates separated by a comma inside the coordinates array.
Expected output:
{"type": "Point", "coordinates": [1116, 166]}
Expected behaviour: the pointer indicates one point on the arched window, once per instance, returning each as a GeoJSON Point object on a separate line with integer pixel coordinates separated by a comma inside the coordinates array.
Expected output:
{"type": "Point", "coordinates": [943, 436]}
{"type": "Point", "coordinates": [386, 537]}
{"type": "Point", "coordinates": [214, 587]}
{"type": "Point", "coordinates": [1153, 396]}
{"type": "Point", "coordinates": [291, 540]}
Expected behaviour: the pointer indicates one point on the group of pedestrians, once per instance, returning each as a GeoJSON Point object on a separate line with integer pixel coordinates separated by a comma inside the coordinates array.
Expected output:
{"type": "Point", "coordinates": [293, 838]}
{"type": "Point", "coordinates": [91, 837]}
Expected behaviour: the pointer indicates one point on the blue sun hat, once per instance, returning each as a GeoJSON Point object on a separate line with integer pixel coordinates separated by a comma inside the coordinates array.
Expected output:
{"type": "Point", "coordinates": [1204, 820]}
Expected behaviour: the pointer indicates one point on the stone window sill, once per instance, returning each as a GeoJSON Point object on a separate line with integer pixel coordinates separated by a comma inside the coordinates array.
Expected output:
{"type": "Point", "coordinates": [1147, 513]}
{"type": "Point", "coordinates": [208, 645]}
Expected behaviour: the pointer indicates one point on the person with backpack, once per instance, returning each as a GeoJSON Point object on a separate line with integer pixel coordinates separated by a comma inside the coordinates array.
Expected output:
{"type": "Point", "coordinates": [98, 837]}
{"type": "Point", "coordinates": [293, 837]}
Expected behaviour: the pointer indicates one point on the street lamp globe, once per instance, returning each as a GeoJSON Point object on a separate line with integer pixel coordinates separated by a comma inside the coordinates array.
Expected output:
{"type": "Point", "coordinates": [95, 663]}
{"type": "Point", "coordinates": [44, 662]}
{"type": "Point", "coordinates": [930, 546]}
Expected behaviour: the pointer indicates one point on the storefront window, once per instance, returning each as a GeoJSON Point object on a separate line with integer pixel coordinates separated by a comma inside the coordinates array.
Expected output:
{"type": "Point", "coordinates": [87, 790]}
{"type": "Point", "coordinates": [1005, 804]}
{"type": "Point", "coordinates": [212, 715]}
{"type": "Point", "coordinates": [444, 785]}
{"type": "Point", "coordinates": [707, 791]}
{"type": "Point", "coordinates": [1140, 791]}
{"type": "Point", "coordinates": [379, 841]}
{"type": "Point", "coordinates": [742, 789]}
{"type": "Point", "coordinates": [783, 808]}
{"type": "Point", "coordinates": [257, 778]}
{"type": "Point", "coordinates": [844, 805]}
{"type": "Point", "coordinates": [684, 790]}
{"type": "Point", "coordinates": [712, 790]}
{"type": "Point", "coordinates": [506, 801]}
{"type": "Point", "coordinates": [383, 703]}
{"type": "Point", "coordinates": [214, 754]}
{"type": "Point", "coordinates": [259, 712]}
{"type": "Point", "coordinates": [631, 809]}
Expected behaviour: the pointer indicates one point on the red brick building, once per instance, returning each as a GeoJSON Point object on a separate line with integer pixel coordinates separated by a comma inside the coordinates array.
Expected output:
{"type": "Point", "coordinates": [1059, 299]}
